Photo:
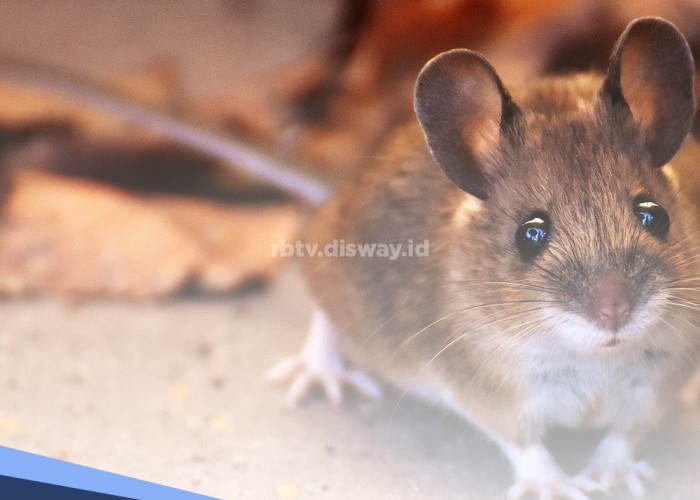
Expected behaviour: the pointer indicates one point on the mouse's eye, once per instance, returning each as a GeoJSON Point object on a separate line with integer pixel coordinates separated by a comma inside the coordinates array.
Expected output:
{"type": "Point", "coordinates": [652, 217]}
{"type": "Point", "coordinates": [532, 236]}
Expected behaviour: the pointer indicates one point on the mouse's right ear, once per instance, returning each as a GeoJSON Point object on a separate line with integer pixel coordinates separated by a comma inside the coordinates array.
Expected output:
{"type": "Point", "coordinates": [464, 111]}
{"type": "Point", "coordinates": [651, 77]}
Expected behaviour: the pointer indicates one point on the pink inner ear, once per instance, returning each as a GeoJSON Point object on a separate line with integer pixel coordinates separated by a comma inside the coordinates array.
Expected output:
{"type": "Point", "coordinates": [481, 121]}
{"type": "Point", "coordinates": [481, 135]}
{"type": "Point", "coordinates": [641, 84]}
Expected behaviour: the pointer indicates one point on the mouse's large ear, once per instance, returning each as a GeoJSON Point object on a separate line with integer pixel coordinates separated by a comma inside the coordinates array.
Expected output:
{"type": "Point", "coordinates": [651, 73]}
{"type": "Point", "coordinates": [463, 109]}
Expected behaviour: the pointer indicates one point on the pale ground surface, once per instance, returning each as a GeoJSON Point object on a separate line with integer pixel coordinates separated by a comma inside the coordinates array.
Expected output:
{"type": "Point", "coordinates": [173, 392]}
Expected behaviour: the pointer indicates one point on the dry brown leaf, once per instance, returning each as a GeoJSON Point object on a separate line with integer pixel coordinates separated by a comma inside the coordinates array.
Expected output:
{"type": "Point", "coordinates": [236, 241]}
{"type": "Point", "coordinates": [76, 237]}
{"type": "Point", "coordinates": [155, 85]}
{"type": "Point", "coordinates": [22, 104]}
{"type": "Point", "coordinates": [253, 114]}
{"type": "Point", "coordinates": [80, 238]}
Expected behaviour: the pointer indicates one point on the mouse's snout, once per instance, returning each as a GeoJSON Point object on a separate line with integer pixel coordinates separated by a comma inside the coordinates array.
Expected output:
{"type": "Point", "coordinates": [610, 304]}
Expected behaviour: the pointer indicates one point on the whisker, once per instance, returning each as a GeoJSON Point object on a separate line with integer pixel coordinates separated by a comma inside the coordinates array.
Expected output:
{"type": "Point", "coordinates": [468, 309]}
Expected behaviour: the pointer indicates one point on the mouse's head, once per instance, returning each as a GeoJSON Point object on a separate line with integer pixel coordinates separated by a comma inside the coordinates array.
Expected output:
{"type": "Point", "coordinates": [580, 223]}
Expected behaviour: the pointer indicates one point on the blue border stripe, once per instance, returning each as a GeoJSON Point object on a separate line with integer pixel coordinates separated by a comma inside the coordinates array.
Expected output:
{"type": "Point", "coordinates": [23, 465]}
{"type": "Point", "coordinates": [14, 488]}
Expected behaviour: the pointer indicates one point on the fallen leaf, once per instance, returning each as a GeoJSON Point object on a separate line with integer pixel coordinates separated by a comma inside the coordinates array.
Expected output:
{"type": "Point", "coordinates": [236, 241]}
{"type": "Point", "coordinates": [74, 237]}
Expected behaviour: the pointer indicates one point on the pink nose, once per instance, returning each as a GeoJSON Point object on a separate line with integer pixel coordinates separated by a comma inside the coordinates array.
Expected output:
{"type": "Point", "coordinates": [609, 306]}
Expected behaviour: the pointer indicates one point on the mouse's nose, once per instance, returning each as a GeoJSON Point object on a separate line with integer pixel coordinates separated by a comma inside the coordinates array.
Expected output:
{"type": "Point", "coordinates": [610, 304]}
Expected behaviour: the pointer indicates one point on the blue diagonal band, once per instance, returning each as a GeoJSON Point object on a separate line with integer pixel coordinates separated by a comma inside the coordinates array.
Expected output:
{"type": "Point", "coordinates": [23, 465]}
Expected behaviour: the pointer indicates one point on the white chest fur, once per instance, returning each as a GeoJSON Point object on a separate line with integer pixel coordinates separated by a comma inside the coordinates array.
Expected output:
{"type": "Point", "coordinates": [610, 387]}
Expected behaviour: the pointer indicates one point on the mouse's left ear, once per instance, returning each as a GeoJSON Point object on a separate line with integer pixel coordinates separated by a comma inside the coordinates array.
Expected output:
{"type": "Point", "coordinates": [466, 114]}
{"type": "Point", "coordinates": [651, 75]}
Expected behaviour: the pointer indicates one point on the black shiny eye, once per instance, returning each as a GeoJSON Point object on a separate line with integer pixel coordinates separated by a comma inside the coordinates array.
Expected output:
{"type": "Point", "coordinates": [652, 217]}
{"type": "Point", "coordinates": [532, 236]}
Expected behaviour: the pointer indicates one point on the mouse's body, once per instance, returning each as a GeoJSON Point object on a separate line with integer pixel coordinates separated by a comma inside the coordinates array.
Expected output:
{"type": "Point", "coordinates": [559, 279]}
{"type": "Point", "coordinates": [412, 307]}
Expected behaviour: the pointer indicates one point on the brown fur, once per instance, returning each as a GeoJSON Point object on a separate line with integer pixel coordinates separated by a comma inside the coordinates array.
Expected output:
{"type": "Point", "coordinates": [459, 318]}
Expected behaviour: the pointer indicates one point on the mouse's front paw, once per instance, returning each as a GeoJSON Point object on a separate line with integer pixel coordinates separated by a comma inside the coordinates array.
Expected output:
{"type": "Point", "coordinates": [629, 474]}
{"type": "Point", "coordinates": [547, 489]}
{"type": "Point", "coordinates": [320, 364]}
{"type": "Point", "coordinates": [304, 373]}
{"type": "Point", "coordinates": [612, 464]}
{"type": "Point", "coordinates": [538, 476]}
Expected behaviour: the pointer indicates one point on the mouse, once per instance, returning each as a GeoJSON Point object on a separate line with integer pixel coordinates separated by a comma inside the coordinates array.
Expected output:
{"type": "Point", "coordinates": [558, 279]}
{"type": "Point", "coordinates": [520, 255]}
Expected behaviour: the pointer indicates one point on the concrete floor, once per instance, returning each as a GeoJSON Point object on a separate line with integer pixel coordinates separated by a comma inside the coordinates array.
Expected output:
{"type": "Point", "coordinates": [173, 392]}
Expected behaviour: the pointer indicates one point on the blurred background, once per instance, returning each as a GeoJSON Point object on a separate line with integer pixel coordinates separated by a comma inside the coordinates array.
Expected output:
{"type": "Point", "coordinates": [317, 86]}
{"type": "Point", "coordinates": [141, 300]}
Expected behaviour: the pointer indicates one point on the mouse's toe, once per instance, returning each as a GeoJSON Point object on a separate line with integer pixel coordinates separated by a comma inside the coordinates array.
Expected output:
{"type": "Point", "coordinates": [613, 464]}
{"type": "Point", "coordinates": [320, 364]}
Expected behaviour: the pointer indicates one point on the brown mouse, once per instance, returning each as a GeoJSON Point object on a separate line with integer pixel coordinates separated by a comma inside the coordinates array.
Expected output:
{"type": "Point", "coordinates": [559, 284]}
